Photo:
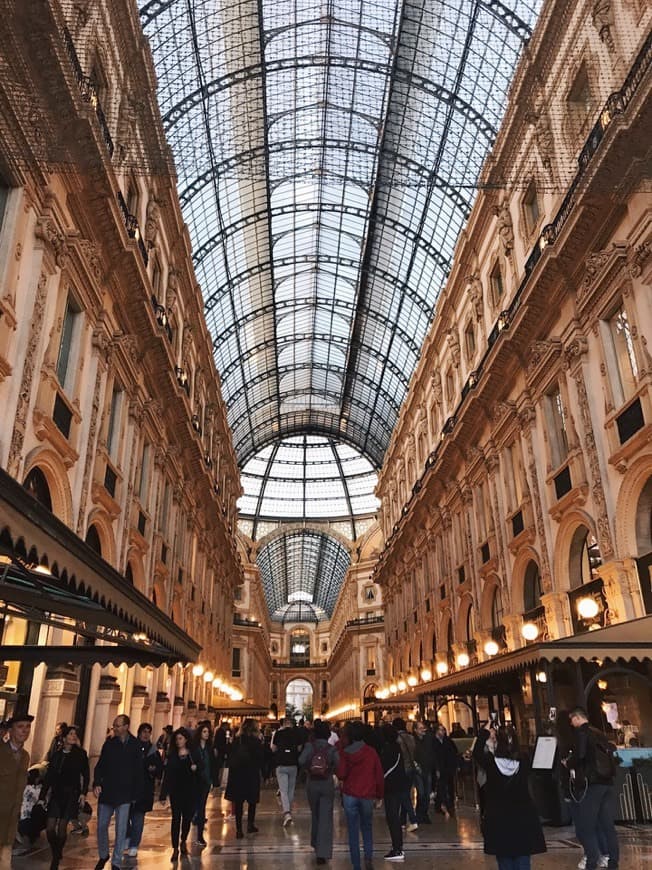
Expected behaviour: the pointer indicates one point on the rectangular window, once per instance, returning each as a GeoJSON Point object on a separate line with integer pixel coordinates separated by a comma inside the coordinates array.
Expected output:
{"type": "Point", "coordinates": [450, 385]}
{"type": "Point", "coordinates": [115, 413]}
{"type": "Point", "coordinates": [621, 359]}
{"type": "Point", "coordinates": [144, 473]}
{"type": "Point", "coordinates": [4, 195]}
{"type": "Point", "coordinates": [235, 661]}
{"type": "Point", "coordinates": [469, 341]}
{"type": "Point", "coordinates": [480, 513]}
{"type": "Point", "coordinates": [557, 433]}
{"type": "Point", "coordinates": [69, 331]}
{"type": "Point", "coordinates": [531, 207]}
{"type": "Point", "coordinates": [496, 281]}
{"type": "Point", "coordinates": [165, 509]}
{"type": "Point", "coordinates": [510, 482]}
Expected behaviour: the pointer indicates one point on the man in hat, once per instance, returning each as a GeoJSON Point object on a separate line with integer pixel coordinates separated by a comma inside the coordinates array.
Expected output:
{"type": "Point", "coordinates": [14, 761]}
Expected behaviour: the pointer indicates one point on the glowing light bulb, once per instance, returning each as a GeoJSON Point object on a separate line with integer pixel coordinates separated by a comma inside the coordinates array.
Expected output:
{"type": "Point", "coordinates": [426, 675]}
{"type": "Point", "coordinates": [588, 608]}
{"type": "Point", "coordinates": [463, 660]}
{"type": "Point", "coordinates": [491, 647]}
{"type": "Point", "coordinates": [442, 668]}
{"type": "Point", "coordinates": [197, 670]}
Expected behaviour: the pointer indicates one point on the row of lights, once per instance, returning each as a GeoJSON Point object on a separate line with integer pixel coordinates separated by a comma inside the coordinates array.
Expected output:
{"type": "Point", "coordinates": [217, 683]}
{"type": "Point", "coordinates": [340, 711]}
{"type": "Point", "coordinates": [587, 608]}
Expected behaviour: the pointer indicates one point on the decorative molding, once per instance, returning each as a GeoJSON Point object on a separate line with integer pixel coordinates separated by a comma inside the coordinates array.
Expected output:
{"type": "Point", "coordinates": [25, 393]}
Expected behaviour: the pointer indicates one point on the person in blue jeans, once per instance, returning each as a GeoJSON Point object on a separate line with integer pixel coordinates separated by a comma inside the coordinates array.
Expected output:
{"type": "Point", "coordinates": [117, 783]}
{"type": "Point", "coordinates": [511, 827]}
{"type": "Point", "coordinates": [361, 774]}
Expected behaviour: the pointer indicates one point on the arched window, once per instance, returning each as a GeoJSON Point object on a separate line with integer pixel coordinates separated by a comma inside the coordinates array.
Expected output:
{"type": "Point", "coordinates": [532, 587]}
{"type": "Point", "coordinates": [129, 574]}
{"type": "Point", "coordinates": [470, 623]}
{"type": "Point", "coordinates": [497, 609]}
{"type": "Point", "coordinates": [37, 486]}
{"type": "Point", "coordinates": [434, 645]}
{"type": "Point", "coordinates": [93, 540]}
{"type": "Point", "coordinates": [585, 557]}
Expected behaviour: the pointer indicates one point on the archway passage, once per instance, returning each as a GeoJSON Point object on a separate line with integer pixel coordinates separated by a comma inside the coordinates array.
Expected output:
{"type": "Point", "coordinates": [644, 543]}
{"type": "Point", "coordinates": [299, 698]}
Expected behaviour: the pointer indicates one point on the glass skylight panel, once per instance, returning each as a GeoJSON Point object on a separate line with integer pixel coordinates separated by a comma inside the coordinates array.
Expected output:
{"type": "Point", "coordinates": [325, 91]}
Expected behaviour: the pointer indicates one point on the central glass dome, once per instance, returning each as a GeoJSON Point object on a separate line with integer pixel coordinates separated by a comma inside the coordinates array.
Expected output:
{"type": "Point", "coordinates": [308, 477]}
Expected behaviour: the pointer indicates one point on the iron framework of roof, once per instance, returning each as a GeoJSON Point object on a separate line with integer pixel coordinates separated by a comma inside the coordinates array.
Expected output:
{"type": "Point", "coordinates": [327, 156]}
{"type": "Point", "coordinates": [302, 573]}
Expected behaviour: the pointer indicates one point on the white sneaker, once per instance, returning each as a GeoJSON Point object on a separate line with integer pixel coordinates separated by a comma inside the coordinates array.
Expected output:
{"type": "Point", "coordinates": [604, 861]}
{"type": "Point", "coordinates": [411, 827]}
{"type": "Point", "coordinates": [582, 864]}
{"type": "Point", "coordinates": [132, 852]}
{"type": "Point", "coordinates": [287, 820]}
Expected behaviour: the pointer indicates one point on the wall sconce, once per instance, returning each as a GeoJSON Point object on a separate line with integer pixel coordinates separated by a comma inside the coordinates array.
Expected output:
{"type": "Point", "coordinates": [197, 670]}
{"type": "Point", "coordinates": [530, 630]}
{"type": "Point", "coordinates": [402, 685]}
{"type": "Point", "coordinates": [182, 377]}
{"type": "Point", "coordinates": [588, 608]}
{"type": "Point", "coordinates": [442, 668]}
{"type": "Point", "coordinates": [426, 675]}
{"type": "Point", "coordinates": [208, 677]}
{"type": "Point", "coordinates": [161, 315]}
{"type": "Point", "coordinates": [463, 660]}
{"type": "Point", "coordinates": [503, 320]}
{"type": "Point", "coordinates": [412, 681]}
{"type": "Point", "coordinates": [393, 688]}
{"type": "Point", "coordinates": [491, 648]}
{"type": "Point", "coordinates": [217, 683]}
{"type": "Point", "coordinates": [542, 677]}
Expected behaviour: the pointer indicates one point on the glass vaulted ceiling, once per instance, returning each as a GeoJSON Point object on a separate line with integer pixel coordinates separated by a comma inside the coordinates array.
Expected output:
{"type": "Point", "coordinates": [327, 155]}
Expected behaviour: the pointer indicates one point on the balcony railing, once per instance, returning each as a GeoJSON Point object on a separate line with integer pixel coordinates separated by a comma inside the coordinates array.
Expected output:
{"type": "Point", "coordinates": [615, 105]}
{"type": "Point", "coordinates": [88, 90]}
{"type": "Point", "coordinates": [133, 229]}
{"type": "Point", "coordinates": [365, 620]}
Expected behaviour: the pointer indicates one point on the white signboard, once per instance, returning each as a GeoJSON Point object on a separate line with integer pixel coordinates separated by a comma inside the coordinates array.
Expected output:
{"type": "Point", "coordinates": [544, 753]}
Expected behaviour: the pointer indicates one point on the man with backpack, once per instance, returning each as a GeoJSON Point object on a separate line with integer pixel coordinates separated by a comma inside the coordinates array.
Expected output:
{"type": "Point", "coordinates": [319, 759]}
{"type": "Point", "coordinates": [285, 746]}
{"type": "Point", "coordinates": [592, 767]}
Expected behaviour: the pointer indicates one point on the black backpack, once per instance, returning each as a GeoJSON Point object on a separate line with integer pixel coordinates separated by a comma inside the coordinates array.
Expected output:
{"type": "Point", "coordinates": [604, 753]}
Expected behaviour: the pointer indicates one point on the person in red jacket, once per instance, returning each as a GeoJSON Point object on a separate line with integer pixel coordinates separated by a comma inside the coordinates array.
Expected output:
{"type": "Point", "coordinates": [361, 774]}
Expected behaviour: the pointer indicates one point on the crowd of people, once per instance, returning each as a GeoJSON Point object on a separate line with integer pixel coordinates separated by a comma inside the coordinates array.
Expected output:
{"type": "Point", "coordinates": [404, 770]}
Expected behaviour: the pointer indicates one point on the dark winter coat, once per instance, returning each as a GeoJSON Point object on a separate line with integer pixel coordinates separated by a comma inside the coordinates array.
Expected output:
{"type": "Point", "coordinates": [119, 771]}
{"type": "Point", "coordinates": [180, 781]}
{"type": "Point", "coordinates": [245, 765]}
{"type": "Point", "coordinates": [67, 776]}
{"type": "Point", "coordinates": [152, 770]}
{"type": "Point", "coordinates": [446, 757]}
{"type": "Point", "coordinates": [511, 825]}
{"type": "Point", "coordinates": [391, 759]}
{"type": "Point", "coordinates": [206, 764]}
{"type": "Point", "coordinates": [424, 752]}
{"type": "Point", "coordinates": [583, 757]}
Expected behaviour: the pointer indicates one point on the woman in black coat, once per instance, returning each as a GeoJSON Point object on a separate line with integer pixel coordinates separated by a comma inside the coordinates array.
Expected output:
{"type": "Point", "coordinates": [243, 784]}
{"type": "Point", "coordinates": [64, 790]}
{"type": "Point", "coordinates": [181, 782]}
{"type": "Point", "coordinates": [512, 830]}
{"type": "Point", "coordinates": [202, 748]}
{"type": "Point", "coordinates": [396, 784]}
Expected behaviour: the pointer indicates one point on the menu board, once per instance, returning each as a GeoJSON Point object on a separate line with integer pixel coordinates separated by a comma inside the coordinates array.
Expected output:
{"type": "Point", "coordinates": [544, 753]}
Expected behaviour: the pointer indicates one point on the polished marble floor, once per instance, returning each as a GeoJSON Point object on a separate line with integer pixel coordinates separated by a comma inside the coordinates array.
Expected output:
{"type": "Point", "coordinates": [440, 845]}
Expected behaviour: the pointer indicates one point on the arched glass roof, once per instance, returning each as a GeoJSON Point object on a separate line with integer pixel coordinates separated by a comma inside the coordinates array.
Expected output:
{"type": "Point", "coordinates": [302, 574]}
{"type": "Point", "coordinates": [327, 154]}
{"type": "Point", "coordinates": [308, 477]}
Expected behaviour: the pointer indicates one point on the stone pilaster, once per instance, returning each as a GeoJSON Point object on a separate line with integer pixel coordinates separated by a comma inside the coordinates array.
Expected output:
{"type": "Point", "coordinates": [57, 704]}
{"type": "Point", "coordinates": [107, 702]}
{"type": "Point", "coordinates": [622, 589]}
{"type": "Point", "coordinates": [162, 710]}
{"type": "Point", "coordinates": [558, 615]}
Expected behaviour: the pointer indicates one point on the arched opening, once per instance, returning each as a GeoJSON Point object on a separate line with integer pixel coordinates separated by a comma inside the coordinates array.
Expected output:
{"type": "Point", "coordinates": [129, 575]}
{"type": "Point", "coordinates": [497, 612]}
{"type": "Point", "coordinates": [37, 486]}
{"type": "Point", "coordinates": [93, 539]}
{"type": "Point", "coordinates": [584, 558]}
{"type": "Point", "coordinates": [644, 521]}
{"type": "Point", "coordinates": [370, 693]}
{"type": "Point", "coordinates": [532, 589]}
{"type": "Point", "coordinates": [470, 623]}
{"type": "Point", "coordinates": [299, 699]}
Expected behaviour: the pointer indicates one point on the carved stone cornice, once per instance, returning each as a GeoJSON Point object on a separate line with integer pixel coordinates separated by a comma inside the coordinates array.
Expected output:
{"type": "Point", "coordinates": [601, 269]}
{"type": "Point", "coordinates": [47, 232]}
{"type": "Point", "coordinates": [541, 355]}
